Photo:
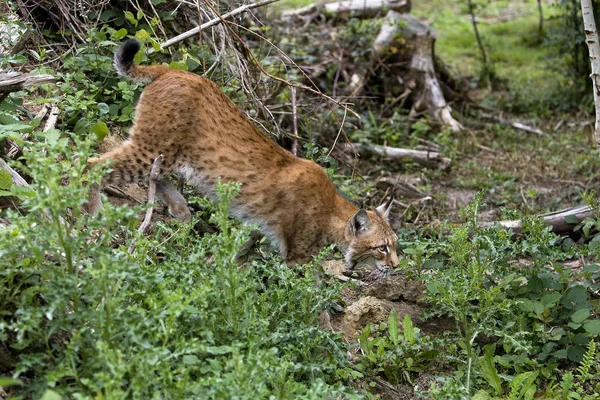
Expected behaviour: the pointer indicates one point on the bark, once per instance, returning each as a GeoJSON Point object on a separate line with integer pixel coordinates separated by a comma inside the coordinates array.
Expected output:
{"type": "Point", "coordinates": [591, 38]}
{"type": "Point", "coordinates": [421, 82]}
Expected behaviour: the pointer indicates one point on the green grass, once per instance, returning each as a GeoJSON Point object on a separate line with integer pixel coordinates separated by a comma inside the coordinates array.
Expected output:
{"type": "Point", "coordinates": [509, 33]}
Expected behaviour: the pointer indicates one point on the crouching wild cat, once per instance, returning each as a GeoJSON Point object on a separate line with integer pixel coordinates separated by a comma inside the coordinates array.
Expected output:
{"type": "Point", "coordinates": [205, 137]}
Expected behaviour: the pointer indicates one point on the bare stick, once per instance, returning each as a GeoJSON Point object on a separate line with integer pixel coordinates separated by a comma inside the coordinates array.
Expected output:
{"type": "Point", "coordinates": [560, 221]}
{"type": "Point", "coordinates": [15, 81]}
{"type": "Point", "coordinates": [154, 175]}
{"type": "Point", "coordinates": [294, 121]}
{"type": "Point", "coordinates": [212, 22]}
{"type": "Point", "coordinates": [517, 125]}
{"type": "Point", "coordinates": [427, 158]}
{"type": "Point", "coordinates": [591, 38]}
{"type": "Point", "coordinates": [52, 118]}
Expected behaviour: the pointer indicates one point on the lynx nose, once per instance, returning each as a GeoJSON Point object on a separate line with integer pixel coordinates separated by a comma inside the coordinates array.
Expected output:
{"type": "Point", "coordinates": [394, 262]}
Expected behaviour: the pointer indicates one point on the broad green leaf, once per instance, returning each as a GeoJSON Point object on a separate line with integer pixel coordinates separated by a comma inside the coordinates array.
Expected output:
{"type": "Point", "coordinates": [571, 219]}
{"type": "Point", "coordinates": [51, 395]}
{"type": "Point", "coordinates": [130, 18]}
{"type": "Point", "coordinates": [5, 180]}
{"type": "Point", "coordinates": [580, 315]}
{"type": "Point", "coordinates": [103, 108]}
{"type": "Point", "coordinates": [218, 350]}
{"type": "Point", "coordinates": [6, 382]}
{"type": "Point", "coordinates": [488, 369]}
{"type": "Point", "coordinates": [591, 268]}
{"type": "Point", "coordinates": [409, 330]}
{"type": "Point", "coordinates": [120, 34]}
{"type": "Point", "coordinates": [181, 65]}
{"type": "Point", "coordinates": [190, 359]}
{"type": "Point", "coordinates": [100, 130]}
{"type": "Point", "coordinates": [575, 353]}
{"type": "Point", "coordinates": [550, 299]}
{"type": "Point", "coordinates": [481, 395]}
{"type": "Point", "coordinates": [393, 326]}
{"type": "Point", "coordinates": [592, 327]}
{"type": "Point", "coordinates": [538, 307]}
{"type": "Point", "coordinates": [52, 137]}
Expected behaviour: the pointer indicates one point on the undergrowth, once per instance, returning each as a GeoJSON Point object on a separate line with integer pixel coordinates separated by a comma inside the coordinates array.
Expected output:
{"type": "Point", "coordinates": [177, 318]}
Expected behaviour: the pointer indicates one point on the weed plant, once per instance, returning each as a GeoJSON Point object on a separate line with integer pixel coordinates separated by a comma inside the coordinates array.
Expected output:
{"type": "Point", "coordinates": [177, 318]}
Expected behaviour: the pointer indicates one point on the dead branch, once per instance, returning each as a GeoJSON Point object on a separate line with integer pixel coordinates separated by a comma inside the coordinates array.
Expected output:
{"type": "Point", "coordinates": [430, 159]}
{"type": "Point", "coordinates": [15, 81]}
{"type": "Point", "coordinates": [556, 219]}
{"type": "Point", "coordinates": [516, 125]}
{"type": "Point", "coordinates": [294, 122]}
{"type": "Point", "coordinates": [154, 175]}
{"type": "Point", "coordinates": [345, 9]}
{"type": "Point", "coordinates": [212, 22]}
{"type": "Point", "coordinates": [52, 118]}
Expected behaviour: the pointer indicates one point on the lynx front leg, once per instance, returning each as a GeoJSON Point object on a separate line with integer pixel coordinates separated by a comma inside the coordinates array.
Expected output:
{"type": "Point", "coordinates": [177, 204]}
{"type": "Point", "coordinates": [94, 203]}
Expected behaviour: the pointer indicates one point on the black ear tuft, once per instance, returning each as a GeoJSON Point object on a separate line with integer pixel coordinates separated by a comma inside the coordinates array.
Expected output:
{"type": "Point", "coordinates": [360, 222]}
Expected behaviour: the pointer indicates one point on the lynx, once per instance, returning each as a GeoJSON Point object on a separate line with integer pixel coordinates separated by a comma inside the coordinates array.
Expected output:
{"type": "Point", "coordinates": [205, 137]}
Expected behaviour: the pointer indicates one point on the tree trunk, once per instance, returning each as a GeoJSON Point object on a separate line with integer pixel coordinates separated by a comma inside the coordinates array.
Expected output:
{"type": "Point", "coordinates": [591, 38]}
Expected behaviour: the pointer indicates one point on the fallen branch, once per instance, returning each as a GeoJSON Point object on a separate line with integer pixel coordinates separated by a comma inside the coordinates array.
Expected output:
{"type": "Point", "coordinates": [212, 22]}
{"type": "Point", "coordinates": [427, 158]}
{"type": "Point", "coordinates": [560, 221]}
{"type": "Point", "coordinates": [52, 118]}
{"type": "Point", "coordinates": [345, 9]}
{"type": "Point", "coordinates": [15, 81]}
{"type": "Point", "coordinates": [294, 121]}
{"type": "Point", "coordinates": [517, 125]}
{"type": "Point", "coordinates": [154, 175]}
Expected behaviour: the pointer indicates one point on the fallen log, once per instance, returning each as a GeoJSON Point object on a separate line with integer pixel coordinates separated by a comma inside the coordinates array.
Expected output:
{"type": "Point", "coordinates": [562, 221]}
{"type": "Point", "coordinates": [15, 81]}
{"type": "Point", "coordinates": [430, 159]}
{"type": "Point", "coordinates": [344, 10]}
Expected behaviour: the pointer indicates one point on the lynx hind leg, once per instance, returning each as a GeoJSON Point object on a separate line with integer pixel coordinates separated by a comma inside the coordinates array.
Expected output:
{"type": "Point", "coordinates": [127, 166]}
{"type": "Point", "coordinates": [177, 204]}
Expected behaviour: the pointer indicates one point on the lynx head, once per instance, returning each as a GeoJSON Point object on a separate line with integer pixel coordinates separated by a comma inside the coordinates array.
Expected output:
{"type": "Point", "coordinates": [372, 246]}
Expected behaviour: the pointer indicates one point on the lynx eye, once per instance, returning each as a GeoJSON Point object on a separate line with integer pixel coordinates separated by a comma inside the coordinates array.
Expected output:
{"type": "Point", "coordinates": [383, 249]}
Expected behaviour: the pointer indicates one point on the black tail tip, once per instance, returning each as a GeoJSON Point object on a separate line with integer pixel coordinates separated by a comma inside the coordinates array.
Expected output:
{"type": "Point", "coordinates": [127, 51]}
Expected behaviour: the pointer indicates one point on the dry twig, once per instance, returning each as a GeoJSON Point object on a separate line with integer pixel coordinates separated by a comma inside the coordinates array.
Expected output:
{"type": "Point", "coordinates": [154, 175]}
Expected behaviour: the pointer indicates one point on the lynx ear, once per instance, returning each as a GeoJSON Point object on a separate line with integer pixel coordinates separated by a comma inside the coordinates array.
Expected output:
{"type": "Point", "coordinates": [360, 222]}
{"type": "Point", "coordinates": [384, 209]}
